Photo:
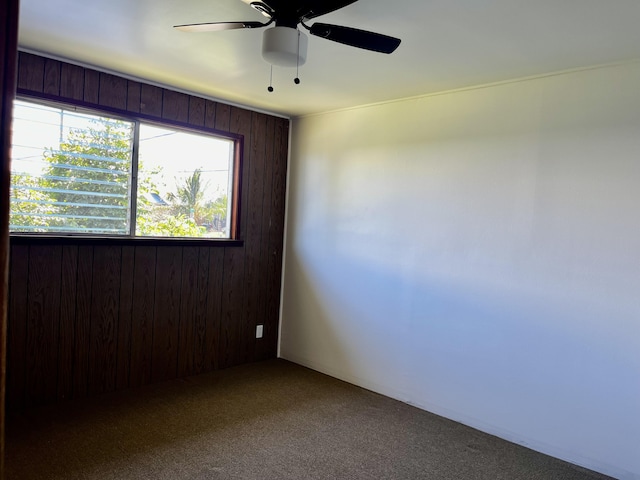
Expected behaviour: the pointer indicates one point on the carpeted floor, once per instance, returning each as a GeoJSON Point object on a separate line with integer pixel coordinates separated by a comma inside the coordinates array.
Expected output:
{"type": "Point", "coordinates": [270, 420]}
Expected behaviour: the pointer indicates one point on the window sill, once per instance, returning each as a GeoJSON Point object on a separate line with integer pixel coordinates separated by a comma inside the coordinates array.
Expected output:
{"type": "Point", "coordinates": [22, 239]}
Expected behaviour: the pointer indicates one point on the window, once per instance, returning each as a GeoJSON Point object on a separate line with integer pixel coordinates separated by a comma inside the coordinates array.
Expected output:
{"type": "Point", "coordinates": [84, 173]}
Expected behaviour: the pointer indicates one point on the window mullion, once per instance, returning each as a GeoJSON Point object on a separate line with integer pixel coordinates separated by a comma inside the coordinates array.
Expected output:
{"type": "Point", "coordinates": [133, 191]}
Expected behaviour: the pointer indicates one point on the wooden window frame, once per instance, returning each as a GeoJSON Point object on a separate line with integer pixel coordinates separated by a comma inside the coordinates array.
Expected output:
{"type": "Point", "coordinates": [89, 108]}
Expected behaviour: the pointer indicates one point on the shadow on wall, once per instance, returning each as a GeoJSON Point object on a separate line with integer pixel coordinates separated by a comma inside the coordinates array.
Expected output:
{"type": "Point", "coordinates": [475, 253]}
{"type": "Point", "coordinates": [503, 357]}
{"type": "Point", "coordinates": [317, 334]}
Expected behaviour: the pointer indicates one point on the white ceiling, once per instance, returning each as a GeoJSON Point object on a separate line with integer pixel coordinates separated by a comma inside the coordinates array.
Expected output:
{"type": "Point", "coordinates": [446, 45]}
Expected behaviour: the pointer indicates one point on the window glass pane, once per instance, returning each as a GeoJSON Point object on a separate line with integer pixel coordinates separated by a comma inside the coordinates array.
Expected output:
{"type": "Point", "coordinates": [78, 173]}
{"type": "Point", "coordinates": [70, 171]}
{"type": "Point", "coordinates": [184, 184]}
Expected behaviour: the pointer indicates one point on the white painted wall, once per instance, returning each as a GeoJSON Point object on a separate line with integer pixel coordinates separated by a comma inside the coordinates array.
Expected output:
{"type": "Point", "coordinates": [478, 254]}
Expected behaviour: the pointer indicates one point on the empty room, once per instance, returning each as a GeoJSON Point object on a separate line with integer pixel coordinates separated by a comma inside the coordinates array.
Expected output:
{"type": "Point", "coordinates": [349, 239]}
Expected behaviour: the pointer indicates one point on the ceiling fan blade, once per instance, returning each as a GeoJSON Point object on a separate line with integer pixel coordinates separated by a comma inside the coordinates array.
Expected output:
{"type": "Point", "coordinates": [356, 38]}
{"type": "Point", "coordinates": [315, 8]}
{"type": "Point", "coordinates": [217, 26]}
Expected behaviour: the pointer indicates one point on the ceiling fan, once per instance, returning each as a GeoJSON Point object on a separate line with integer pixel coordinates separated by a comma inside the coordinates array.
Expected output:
{"type": "Point", "coordinates": [284, 44]}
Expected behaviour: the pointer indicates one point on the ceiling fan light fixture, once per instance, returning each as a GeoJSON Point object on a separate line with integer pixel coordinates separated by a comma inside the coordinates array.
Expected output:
{"type": "Point", "coordinates": [284, 46]}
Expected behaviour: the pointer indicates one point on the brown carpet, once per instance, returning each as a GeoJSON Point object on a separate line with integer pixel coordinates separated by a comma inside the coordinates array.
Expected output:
{"type": "Point", "coordinates": [269, 420]}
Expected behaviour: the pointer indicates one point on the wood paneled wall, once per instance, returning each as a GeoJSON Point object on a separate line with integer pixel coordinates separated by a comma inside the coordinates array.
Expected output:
{"type": "Point", "coordinates": [8, 55]}
{"type": "Point", "coordinates": [86, 318]}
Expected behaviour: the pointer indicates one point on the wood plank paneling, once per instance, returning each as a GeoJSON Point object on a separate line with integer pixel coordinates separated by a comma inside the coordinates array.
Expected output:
{"type": "Point", "coordinates": [83, 321]}
{"type": "Point", "coordinates": [105, 307]}
{"type": "Point", "coordinates": [91, 86]}
{"type": "Point", "coordinates": [262, 352]}
{"type": "Point", "coordinates": [67, 320]}
{"type": "Point", "coordinates": [9, 15]}
{"type": "Point", "coordinates": [234, 321]}
{"type": "Point", "coordinates": [43, 320]}
{"type": "Point", "coordinates": [72, 81]}
{"type": "Point", "coordinates": [210, 114]}
{"type": "Point", "coordinates": [253, 191]}
{"type": "Point", "coordinates": [113, 91]}
{"type": "Point", "coordinates": [31, 72]}
{"type": "Point", "coordinates": [164, 362]}
{"type": "Point", "coordinates": [133, 96]}
{"type": "Point", "coordinates": [51, 77]}
{"type": "Point", "coordinates": [223, 116]}
{"type": "Point", "coordinates": [232, 308]}
{"type": "Point", "coordinates": [175, 106]}
{"type": "Point", "coordinates": [200, 315]}
{"type": "Point", "coordinates": [17, 330]}
{"type": "Point", "coordinates": [188, 302]}
{"type": "Point", "coordinates": [278, 198]}
{"type": "Point", "coordinates": [196, 111]}
{"type": "Point", "coordinates": [214, 309]}
{"type": "Point", "coordinates": [151, 100]}
{"type": "Point", "coordinates": [240, 122]}
{"type": "Point", "coordinates": [142, 315]}
{"type": "Point", "coordinates": [125, 316]}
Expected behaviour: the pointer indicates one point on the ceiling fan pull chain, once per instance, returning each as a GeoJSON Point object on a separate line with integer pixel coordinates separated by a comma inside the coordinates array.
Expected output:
{"type": "Point", "coordinates": [297, 79]}
{"type": "Point", "coordinates": [270, 87]}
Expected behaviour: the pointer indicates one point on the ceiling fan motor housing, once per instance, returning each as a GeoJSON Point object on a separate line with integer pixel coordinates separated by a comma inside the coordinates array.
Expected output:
{"type": "Point", "coordinates": [284, 46]}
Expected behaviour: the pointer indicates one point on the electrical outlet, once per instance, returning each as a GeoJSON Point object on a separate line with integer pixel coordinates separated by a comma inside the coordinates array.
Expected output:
{"type": "Point", "coordinates": [259, 331]}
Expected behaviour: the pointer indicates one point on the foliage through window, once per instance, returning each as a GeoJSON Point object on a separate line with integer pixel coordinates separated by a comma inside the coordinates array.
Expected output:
{"type": "Point", "coordinates": [82, 173]}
